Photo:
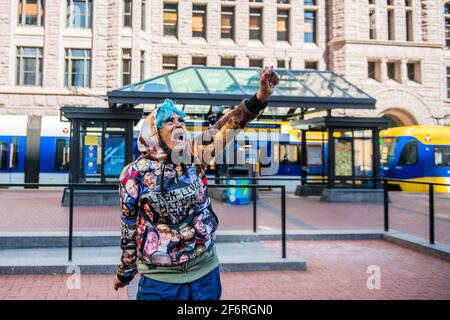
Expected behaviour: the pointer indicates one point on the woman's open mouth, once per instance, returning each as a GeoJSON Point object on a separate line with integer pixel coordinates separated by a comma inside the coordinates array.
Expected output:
{"type": "Point", "coordinates": [179, 137]}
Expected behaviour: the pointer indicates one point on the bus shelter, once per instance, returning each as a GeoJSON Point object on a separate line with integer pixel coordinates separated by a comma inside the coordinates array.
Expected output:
{"type": "Point", "coordinates": [101, 142]}
{"type": "Point", "coordinates": [205, 93]}
{"type": "Point", "coordinates": [352, 148]}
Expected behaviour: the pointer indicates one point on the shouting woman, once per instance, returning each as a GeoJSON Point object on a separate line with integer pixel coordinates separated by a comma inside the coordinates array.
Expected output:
{"type": "Point", "coordinates": [168, 226]}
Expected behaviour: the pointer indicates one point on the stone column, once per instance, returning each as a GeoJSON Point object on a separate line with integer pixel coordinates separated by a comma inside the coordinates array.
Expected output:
{"type": "Point", "coordinates": [403, 71]}
{"type": "Point", "coordinates": [135, 42]}
{"type": "Point", "coordinates": [241, 23]}
{"type": "Point", "coordinates": [54, 63]}
{"type": "Point", "coordinates": [383, 71]}
{"type": "Point", "coordinates": [113, 45]}
{"type": "Point", "coordinates": [99, 45]}
{"type": "Point", "coordinates": [6, 51]}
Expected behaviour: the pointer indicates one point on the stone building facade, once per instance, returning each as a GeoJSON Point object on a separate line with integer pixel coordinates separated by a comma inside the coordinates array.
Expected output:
{"type": "Point", "coordinates": [394, 50]}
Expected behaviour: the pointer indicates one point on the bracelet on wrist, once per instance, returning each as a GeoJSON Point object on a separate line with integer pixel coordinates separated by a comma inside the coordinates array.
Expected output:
{"type": "Point", "coordinates": [254, 105]}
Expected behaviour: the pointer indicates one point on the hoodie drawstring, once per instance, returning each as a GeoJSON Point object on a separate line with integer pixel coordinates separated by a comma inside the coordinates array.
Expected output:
{"type": "Point", "coordinates": [163, 168]}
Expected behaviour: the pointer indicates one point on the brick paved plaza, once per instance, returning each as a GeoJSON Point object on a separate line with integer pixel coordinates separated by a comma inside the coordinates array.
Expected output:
{"type": "Point", "coordinates": [336, 270]}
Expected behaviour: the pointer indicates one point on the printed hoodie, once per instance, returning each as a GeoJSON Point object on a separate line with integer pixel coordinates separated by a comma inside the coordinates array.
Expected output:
{"type": "Point", "coordinates": [167, 217]}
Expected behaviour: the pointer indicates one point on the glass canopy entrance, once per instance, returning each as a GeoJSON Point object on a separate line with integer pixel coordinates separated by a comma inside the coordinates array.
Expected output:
{"type": "Point", "coordinates": [205, 93]}
{"type": "Point", "coordinates": [205, 89]}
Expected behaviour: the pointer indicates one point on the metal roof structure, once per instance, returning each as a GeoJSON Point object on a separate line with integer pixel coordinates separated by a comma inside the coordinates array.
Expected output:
{"type": "Point", "coordinates": [205, 90]}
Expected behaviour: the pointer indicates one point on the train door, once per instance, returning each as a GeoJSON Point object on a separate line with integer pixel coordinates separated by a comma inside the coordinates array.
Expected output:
{"type": "Point", "coordinates": [10, 163]}
{"type": "Point", "coordinates": [54, 150]}
{"type": "Point", "coordinates": [12, 148]}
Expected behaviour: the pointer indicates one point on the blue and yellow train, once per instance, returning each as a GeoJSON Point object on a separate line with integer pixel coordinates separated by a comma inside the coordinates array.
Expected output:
{"type": "Point", "coordinates": [417, 153]}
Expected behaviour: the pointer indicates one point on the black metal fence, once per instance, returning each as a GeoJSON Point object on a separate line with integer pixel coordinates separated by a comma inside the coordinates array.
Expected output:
{"type": "Point", "coordinates": [70, 187]}
{"type": "Point", "coordinates": [385, 183]}
{"type": "Point", "coordinates": [254, 186]}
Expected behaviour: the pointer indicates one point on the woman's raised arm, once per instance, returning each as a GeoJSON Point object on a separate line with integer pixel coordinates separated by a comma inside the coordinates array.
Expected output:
{"type": "Point", "coordinates": [210, 144]}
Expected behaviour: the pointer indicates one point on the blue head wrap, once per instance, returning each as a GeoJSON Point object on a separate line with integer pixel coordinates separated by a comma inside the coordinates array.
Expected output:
{"type": "Point", "coordinates": [164, 112]}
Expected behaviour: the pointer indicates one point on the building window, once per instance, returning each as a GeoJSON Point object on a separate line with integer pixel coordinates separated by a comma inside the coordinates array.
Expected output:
{"type": "Point", "coordinates": [143, 15]}
{"type": "Point", "coordinates": [199, 21]}
{"type": "Point", "coordinates": [409, 25]}
{"type": "Point", "coordinates": [311, 65]}
{"type": "Point", "coordinates": [281, 64]}
{"type": "Point", "coordinates": [256, 63]}
{"type": "Point", "coordinates": [408, 3]}
{"type": "Point", "coordinates": [227, 23]}
{"type": "Point", "coordinates": [310, 27]}
{"type": "Point", "coordinates": [127, 13]}
{"type": "Point", "coordinates": [255, 0]}
{"type": "Point", "coordinates": [283, 25]}
{"type": "Point", "coordinates": [79, 14]}
{"type": "Point", "coordinates": [227, 62]}
{"type": "Point", "coordinates": [171, 19]}
{"type": "Point", "coordinates": [310, 2]}
{"type": "Point", "coordinates": [411, 69]}
{"type": "Point", "coordinates": [126, 66]}
{"type": "Point", "coordinates": [391, 24]}
{"type": "Point", "coordinates": [29, 66]}
{"type": "Point", "coordinates": [283, 1]}
{"type": "Point", "coordinates": [198, 61]}
{"type": "Point", "coordinates": [31, 12]}
{"type": "Point", "coordinates": [372, 23]}
{"type": "Point", "coordinates": [255, 24]}
{"type": "Point", "coordinates": [78, 68]}
{"type": "Point", "coordinates": [170, 63]}
{"type": "Point", "coordinates": [392, 70]}
{"type": "Point", "coordinates": [142, 65]}
{"type": "Point", "coordinates": [448, 82]}
{"type": "Point", "coordinates": [447, 24]}
{"type": "Point", "coordinates": [373, 70]}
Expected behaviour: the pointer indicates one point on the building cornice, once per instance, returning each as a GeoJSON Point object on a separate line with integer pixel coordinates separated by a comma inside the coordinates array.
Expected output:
{"type": "Point", "coordinates": [387, 43]}
{"type": "Point", "coordinates": [16, 90]}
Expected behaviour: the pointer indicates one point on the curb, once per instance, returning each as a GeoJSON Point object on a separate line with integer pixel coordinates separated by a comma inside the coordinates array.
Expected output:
{"type": "Point", "coordinates": [102, 239]}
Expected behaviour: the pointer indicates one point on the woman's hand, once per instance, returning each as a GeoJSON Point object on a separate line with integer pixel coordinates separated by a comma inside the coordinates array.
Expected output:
{"type": "Point", "coordinates": [268, 79]}
{"type": "Point", "coordinates": [119, 284]}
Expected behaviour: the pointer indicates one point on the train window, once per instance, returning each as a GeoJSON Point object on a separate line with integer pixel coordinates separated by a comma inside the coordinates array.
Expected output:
{"type": "Point", "coordinates": [14, 154]}
{"type": "Point", "coordinates": [314, 154]}
{"type": "Point", "coordinates": [409, 155]}
{"type": "Point", "coordinates": [3, 155]}
{"type": "Point", "coordinates": [62, 154]}
{"type": "Point", "coordinates": [387, 150]}
{"type": "Point", "coordinates": [289, 154]}
{"type": "Point", "coordinates": [442, 156]}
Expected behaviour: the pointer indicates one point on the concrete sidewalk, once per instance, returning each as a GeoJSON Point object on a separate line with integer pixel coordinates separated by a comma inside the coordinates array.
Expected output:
{"type": "Point", "coordinates": [242, 256]}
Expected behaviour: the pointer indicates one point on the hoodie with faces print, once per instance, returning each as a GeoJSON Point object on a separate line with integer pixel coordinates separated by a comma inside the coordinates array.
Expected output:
{"type": "Point", "coordinates": [167, 219]}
